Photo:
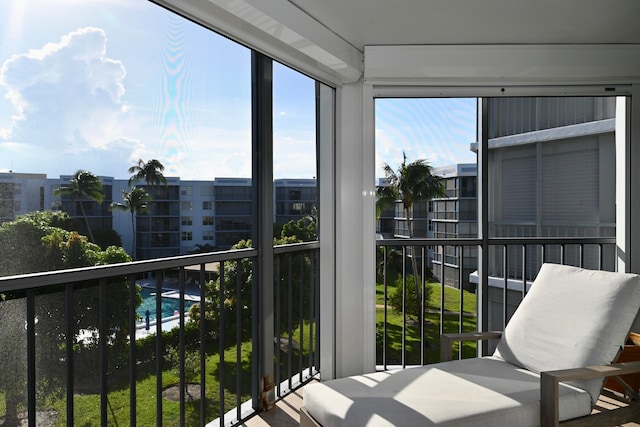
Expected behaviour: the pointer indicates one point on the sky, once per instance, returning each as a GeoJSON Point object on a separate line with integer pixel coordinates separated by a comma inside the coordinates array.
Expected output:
{"type": "Point", "coordinates": [99, 84]}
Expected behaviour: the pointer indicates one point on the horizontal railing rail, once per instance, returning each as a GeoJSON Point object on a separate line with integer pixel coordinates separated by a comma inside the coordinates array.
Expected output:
{"type": "Point", "coordinates": [57, 277]}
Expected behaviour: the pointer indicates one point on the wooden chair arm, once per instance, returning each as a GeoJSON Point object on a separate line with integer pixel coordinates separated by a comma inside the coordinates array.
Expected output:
{"type": "Point", "coordinates": [549, 385]}
{"type": "Point", "coordinates": [447, 340]}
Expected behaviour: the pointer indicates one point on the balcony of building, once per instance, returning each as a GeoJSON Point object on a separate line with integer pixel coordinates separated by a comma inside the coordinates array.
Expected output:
{"type": "Point", "coordinates": [321, 310]}
{"type": "Point", "coordinates": [82, 354]}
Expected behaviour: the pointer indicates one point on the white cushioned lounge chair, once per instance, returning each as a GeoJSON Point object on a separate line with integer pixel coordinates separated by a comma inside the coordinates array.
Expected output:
{"type": "Point", "coordinates": [549, 365]}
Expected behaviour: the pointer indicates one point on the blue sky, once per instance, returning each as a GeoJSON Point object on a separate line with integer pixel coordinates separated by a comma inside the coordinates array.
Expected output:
{"type": "Point", "coordinates": [97, 84]}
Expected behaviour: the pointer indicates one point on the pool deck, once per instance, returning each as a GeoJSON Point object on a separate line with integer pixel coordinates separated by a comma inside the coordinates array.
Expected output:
{"type": "Point", "coordinates": [170, 322]}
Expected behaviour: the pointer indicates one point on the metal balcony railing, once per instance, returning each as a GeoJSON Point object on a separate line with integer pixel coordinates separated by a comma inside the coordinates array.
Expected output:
{"type": "Point", "coordinates": [79, 348]}
{"type": "Point", "coordinates": [450, 296]}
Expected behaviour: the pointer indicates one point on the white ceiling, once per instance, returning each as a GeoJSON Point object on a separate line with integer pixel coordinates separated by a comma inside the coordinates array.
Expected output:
{"type": "Point", "coordinates": [402, 22]}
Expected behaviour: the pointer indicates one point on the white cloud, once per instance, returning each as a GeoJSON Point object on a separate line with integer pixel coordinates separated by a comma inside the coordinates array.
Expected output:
{"type": "Point", "coordinates": [67, 98]}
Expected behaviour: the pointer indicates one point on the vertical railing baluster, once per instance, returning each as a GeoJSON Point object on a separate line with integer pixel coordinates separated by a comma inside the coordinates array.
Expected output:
{"type": "Point", "coordinates": [505, 284]}
{"type": "Point", "coordinates": [581, 253]}
{"type": "Point", "coordinates": [301, 317]}
{"type": "Point", "coordinates": [316, 308]}
{"type": "Point", "coordinates": [159, 350]}
{"type": "Point", "coordinates": [238, 309]}
{"type": "Point", "coordinates": [203, 349]}
{"type": "Point", "coordinates": [524, 270]}
{"type": "Point", "coordinates": [289, 320]}
{"type": "Point", "coordinates": [133, 318]}
{"type": "Point", "coordinates": [221, 329]}
{"type": "Point", "coordinates": [442, 288]}
{"type": "Point", "coordinates": [69, 343]}
{"type": "Point", "coordinates": [422, 305]}
{"type": "Point", "coordinates": [404, 305]}
{"type": "Point", "coordinates": [278, 322]}
{"type": "Point", "coordinates": [312, 286]}
{"type": "Point", "coordinates": [31, 357]}
{"type": "Point", "coordinates": [181, 346]}
{"type": "Point", "coordinates": [103, 352]}
{"type": "Point", "coordinates": [385, 288]}
{"type": "Point", "coordinates": [461, 306]}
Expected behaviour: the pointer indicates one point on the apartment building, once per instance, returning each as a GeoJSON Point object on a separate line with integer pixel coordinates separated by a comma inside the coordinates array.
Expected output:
{"type": "Point", "coordinates": [233, 219]}
{"type": "Point", "coordinates": [20, 193]}
{"type": "Point", "coordinates": [452, 216]}
{"type": "Point", "coordinates": [455, 216]}
{"type": "Point", "coordinates": [184, 215]}
{"type": "Point", "coordinates": [294, 198]}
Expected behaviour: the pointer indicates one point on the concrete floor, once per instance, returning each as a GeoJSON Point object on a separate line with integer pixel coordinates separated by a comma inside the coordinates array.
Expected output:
{"type": "Point", "coordinates": [286, 413]}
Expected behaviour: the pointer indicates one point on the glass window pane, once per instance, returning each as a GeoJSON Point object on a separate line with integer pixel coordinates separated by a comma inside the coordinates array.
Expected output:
{"type": "Point", "coordinates": [552, 174]}
{"type": "Point", "coordinates": [438, 132]}
{"type": "Point", "coordinates": [294, 149]}
{"type": "Point", "coordinates": [78, 93]}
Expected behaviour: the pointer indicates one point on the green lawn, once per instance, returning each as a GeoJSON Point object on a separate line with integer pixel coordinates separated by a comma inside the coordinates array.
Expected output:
{"type": "Point", "coordinates": [394, 331]}
{"type": "Point", "coordinates": [87, 407]}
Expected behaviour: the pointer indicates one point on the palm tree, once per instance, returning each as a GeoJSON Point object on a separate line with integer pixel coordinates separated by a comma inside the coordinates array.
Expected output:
{"type": "Point", "coordinates": [83, 184]}
{"type": "Point", "coordinates": [149, 172]}
{"type": "Point", "coordinates": [136, 201]}
{"type": "Point", "coordinates": [411, 183]}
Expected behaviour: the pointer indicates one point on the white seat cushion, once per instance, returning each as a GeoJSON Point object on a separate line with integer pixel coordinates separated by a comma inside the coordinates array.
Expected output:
{"type": "Point", "coordinates": [472, 392]}
{"type": "Point", "coordinates": [571, 318]}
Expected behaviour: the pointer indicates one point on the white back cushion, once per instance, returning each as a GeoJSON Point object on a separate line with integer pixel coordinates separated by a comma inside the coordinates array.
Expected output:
{"type": "Point", "coordinates": [571, 318]}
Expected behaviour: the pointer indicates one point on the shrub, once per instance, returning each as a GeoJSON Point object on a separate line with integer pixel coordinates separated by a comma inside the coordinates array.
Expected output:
{"type": "Point", "coordinates": [413, 300]}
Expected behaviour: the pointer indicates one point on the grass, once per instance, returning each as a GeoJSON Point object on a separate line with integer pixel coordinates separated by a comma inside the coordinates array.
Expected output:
{"type": "Point", "coordinates": [413, 352]}
{"type": "Point", "coordinates": [87, 407]}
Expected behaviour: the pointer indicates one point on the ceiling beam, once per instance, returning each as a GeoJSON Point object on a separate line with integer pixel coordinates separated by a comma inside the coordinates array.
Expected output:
{"type": "Point", "coordinates": [279, 30]}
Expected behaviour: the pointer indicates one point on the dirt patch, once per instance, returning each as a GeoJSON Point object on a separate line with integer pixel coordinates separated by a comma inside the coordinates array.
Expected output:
{"type": "Point", "coordinates": [173, 393]}
{"type": "Point", "coordinates": [43, 419]}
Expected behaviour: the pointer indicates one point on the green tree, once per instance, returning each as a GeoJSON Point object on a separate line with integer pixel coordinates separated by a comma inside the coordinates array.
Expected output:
{"type": "Point", "coordinates": [411, 302]}
{"type": "Point", "coordinates": [240, 274]}
{"type": "Point", "coordinates": [83, 185]}
{"type": "Point", "coordinates": [32, 243]}
{"type": "Point", "coordinates": [191, 366]}
{"type": "Point", "coordinates": [136, 200]}
{"type": "Point", "coordinates": [412, 182]}
{"type": "Point", "coordinates": [303, 230]}
{"type": "Point", "coordinates": [150, 172]}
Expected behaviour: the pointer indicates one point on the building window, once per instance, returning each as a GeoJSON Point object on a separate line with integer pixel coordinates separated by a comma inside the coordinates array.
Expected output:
{"type": "Point", "coordinates": [186, 220]}
{"type": "Point", "coordinates": [208, 235]}
{"type": "Point", "coordinates": [187, 235]}
{"type": "Point", "coordinates": [186, 206]}
{"type": "Point", "coordinates": [297, 208]}
{"type": "Point", "coordinates": [186, 190]}
{"type": "Point", "coordinates": [206, 191]}
{"type": "Point", "coordinates": [207, 205]}
{"type": "Point", "coordinates": [207, 220]}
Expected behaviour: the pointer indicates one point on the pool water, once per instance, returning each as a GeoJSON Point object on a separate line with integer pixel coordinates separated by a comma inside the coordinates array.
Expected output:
{"type": "Point", "coordinates": [169, 305]}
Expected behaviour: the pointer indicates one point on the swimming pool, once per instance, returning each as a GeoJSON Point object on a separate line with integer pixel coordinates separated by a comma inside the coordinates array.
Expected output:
{"type": "Point", "coordinates": [169, 305]}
